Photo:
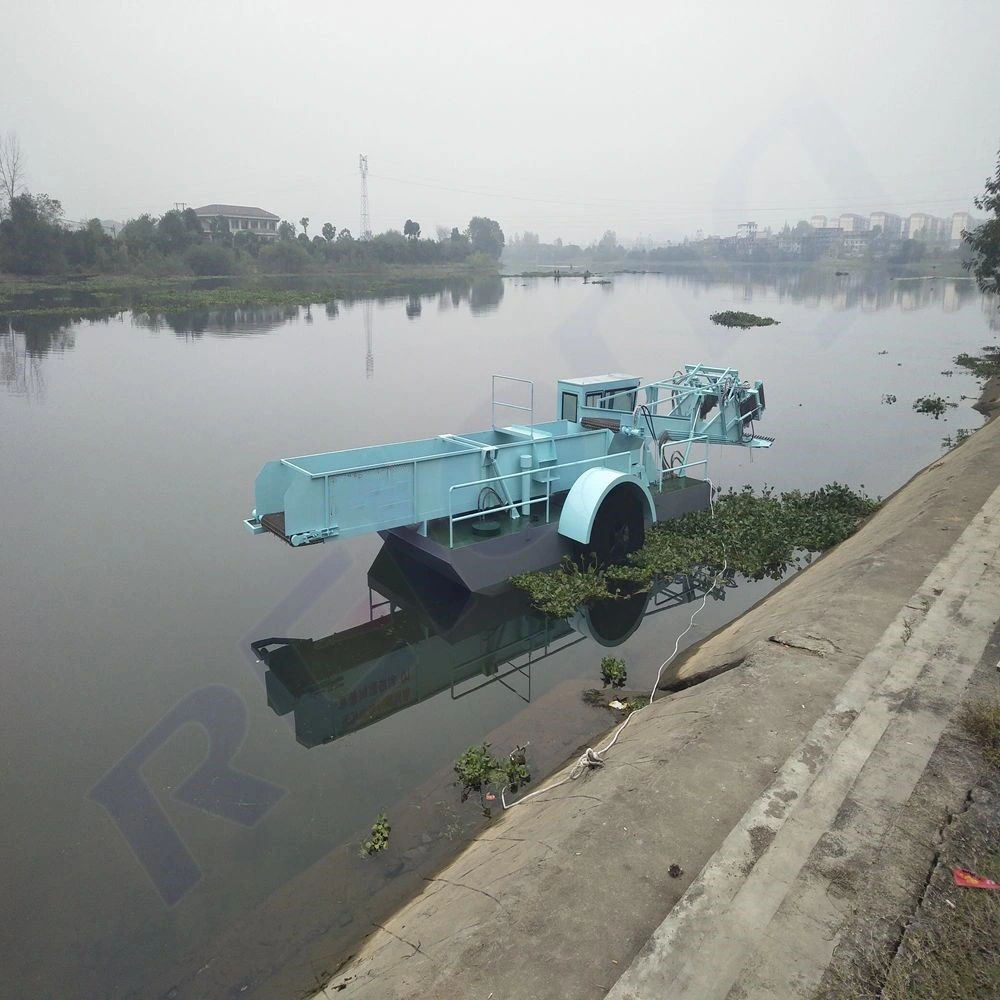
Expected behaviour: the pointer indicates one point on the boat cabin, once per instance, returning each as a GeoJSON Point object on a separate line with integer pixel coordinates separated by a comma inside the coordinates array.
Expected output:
{"type": "Point", "coordinates": [597, 401]}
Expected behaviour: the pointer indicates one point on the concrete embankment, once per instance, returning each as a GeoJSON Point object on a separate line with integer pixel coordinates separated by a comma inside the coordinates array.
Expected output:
{"type": "Point", "coordinates": [698, 861]}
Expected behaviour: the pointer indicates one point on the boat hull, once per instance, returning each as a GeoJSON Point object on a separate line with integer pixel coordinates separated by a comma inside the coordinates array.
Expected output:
{"type": "Point", "coordinates": [485, 566]}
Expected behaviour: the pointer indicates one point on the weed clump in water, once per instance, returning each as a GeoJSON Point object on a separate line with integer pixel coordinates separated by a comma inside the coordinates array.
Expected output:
{"type": "Point", "coordinates": [478, 769]}
{"type": "Point", "coordinates": [934, 405]}
{"type": "Point", "coordinates": [759, 535]}
{"type": "Point", "coordinates": [984, 365]}
{"type": "Point", "coordinates": [613, 671]}
{"type": "Point", "coordinates": [561, 591]}
{"type": "Point", "coordinates": [379, 839]}
{"type": "Point", "coordinates": [743, 320]}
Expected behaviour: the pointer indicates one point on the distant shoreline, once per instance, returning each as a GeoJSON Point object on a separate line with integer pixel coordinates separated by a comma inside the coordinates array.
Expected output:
{"type": "Point", "coordinates": [943, 267]}
{"type": "Point", "coordinates": [96, 295]}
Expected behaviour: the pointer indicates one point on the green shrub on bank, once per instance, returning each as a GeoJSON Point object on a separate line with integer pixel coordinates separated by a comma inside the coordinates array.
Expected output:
{"type": "Point", "coordinates": [210, 259]}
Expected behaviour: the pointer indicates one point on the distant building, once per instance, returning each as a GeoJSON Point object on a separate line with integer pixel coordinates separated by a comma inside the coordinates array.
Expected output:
{"type": "Point", "coordinates": [825, 241]}
{"type": "Point", "coordinates": [818, 222]}
{"type": "Point", "coordinates": [746, 231]}
{"type": "Point", "coordinates": [960, 221]}
{"type": "Point", "coordinates": [917, 225]}
{"type": "Point", "coordinates": [254, 220]}
{"type": "Point", "coordinates": [921, 226]}
{"type": "Point", "coordinates": [856, 244]}
{"type": "Point", "coordinates": [852, 223]}
{"type": "Point", "coordinates": [890, 225]}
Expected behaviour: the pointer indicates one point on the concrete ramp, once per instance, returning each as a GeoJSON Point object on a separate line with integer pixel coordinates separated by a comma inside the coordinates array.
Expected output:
{"type": "Point", "coordinates": [765, 907]}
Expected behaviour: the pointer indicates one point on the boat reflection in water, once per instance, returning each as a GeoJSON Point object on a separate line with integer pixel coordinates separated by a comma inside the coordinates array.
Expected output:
{"type": "Point", "coordinates": [427, 635]}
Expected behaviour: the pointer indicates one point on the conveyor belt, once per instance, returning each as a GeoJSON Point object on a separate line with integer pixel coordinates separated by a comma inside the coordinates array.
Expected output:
{"type": "Point", "coordinates": [275, 523]}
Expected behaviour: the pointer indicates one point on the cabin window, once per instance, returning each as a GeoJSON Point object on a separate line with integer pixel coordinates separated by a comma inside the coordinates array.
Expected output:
{"type": "Point", "coordinates": [569, 402]}
{"type": "Point", "coordinates": [621, 400]}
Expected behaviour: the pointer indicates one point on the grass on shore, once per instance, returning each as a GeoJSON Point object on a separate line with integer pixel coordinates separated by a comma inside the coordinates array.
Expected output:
{"type": "Point", "coordinates": [981, 720]}
{"type": "Point", "coordinates": [949, 947]}
{"type": "Point", "coordinates": [953, 951]}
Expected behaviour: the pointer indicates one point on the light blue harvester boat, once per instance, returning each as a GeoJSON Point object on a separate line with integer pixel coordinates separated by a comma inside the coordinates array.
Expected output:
{"type": "Point", "coordinates": [483, 506]}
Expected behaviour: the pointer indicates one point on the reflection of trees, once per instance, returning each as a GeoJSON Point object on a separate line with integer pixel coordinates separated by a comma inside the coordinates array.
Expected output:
{"type": "Point", "coordinates": [24, 343]}
{"type": "Point", "coordinates": [219, 322]}
{"type": "Point", "coordinates": [486, 293]}
{"type": "Point", "coordinates": [482, 292]}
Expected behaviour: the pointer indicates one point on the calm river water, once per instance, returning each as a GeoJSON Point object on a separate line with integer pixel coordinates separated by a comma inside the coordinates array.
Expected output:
{"type": "Point", "coordinates": [131, 593]}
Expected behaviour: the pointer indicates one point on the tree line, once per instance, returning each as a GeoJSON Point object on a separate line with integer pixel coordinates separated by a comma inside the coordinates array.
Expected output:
{"type": "Point", "coordinates": [35, 241]}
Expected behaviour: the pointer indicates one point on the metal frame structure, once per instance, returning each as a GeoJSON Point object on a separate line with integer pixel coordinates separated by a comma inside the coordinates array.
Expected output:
{"type": "Point", "coordinates": [598, 454]}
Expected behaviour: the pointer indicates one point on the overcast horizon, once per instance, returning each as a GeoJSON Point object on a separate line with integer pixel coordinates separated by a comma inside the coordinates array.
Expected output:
{"type": "Point", "coordinates": [562, 119]}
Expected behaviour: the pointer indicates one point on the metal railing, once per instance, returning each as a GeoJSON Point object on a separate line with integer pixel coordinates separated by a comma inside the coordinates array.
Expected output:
{"type": "Point", "coordinates": [529, 409]}
{"type": "Point", "coordinates": [670, 471]}
{"type": "Point", "coordinates": [605, 461]}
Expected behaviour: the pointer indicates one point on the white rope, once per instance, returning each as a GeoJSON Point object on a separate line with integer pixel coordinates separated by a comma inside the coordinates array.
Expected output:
{"type": "Point", "coordinates": [591, 758]}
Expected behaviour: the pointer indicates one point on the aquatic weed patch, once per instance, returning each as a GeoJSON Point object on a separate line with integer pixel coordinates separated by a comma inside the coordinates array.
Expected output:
{"type": "Point", "coordinates": [756, 534]}
{"type": "Point", "coordinates": [614, 671]}
{"type": "Point", "coordinates": [479, 769]}
{"type": "Point", "coordinates": [984, 365]}
{"type": "Point", "coordinates": [379, 839]}
{"type": "Point", "coordinates": [936, 406]}
{"type": "Point", "coordinates": [743, 320]}
{"type": "Point", "coordinates": [168, 300]}
{"type": "Point", "coordinates": [561, 591]}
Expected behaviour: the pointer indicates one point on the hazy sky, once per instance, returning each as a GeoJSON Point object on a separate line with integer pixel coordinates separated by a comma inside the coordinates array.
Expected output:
{"type": "Point", "coordinates": [653, 119]}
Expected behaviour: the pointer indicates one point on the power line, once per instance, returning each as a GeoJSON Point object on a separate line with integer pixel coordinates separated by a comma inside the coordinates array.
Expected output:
{"type": "Point", "coordinates": [687, 208]}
